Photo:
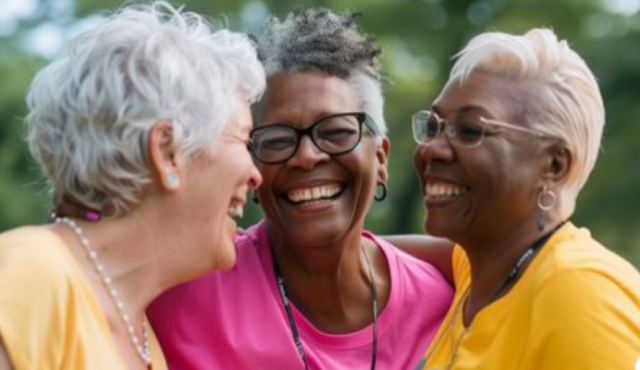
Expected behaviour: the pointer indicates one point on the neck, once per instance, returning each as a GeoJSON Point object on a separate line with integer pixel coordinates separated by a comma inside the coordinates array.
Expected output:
{"type": "Point", "coordinates": [493, 261]}
{"type": "Point", "coordinates": [331, 284]}
{"type": "Point", "coordinates": [112, 282]}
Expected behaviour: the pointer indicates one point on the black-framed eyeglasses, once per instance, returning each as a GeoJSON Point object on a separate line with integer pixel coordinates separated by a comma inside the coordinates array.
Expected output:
{"type": "Point", "coordinates": [428, 126]}
{"type": "Point", "coordinates": [334, 134]}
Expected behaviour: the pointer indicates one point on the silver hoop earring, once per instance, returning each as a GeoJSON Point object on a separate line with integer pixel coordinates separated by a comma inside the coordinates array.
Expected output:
{"type": "Point", "coordinates": [546, 199]}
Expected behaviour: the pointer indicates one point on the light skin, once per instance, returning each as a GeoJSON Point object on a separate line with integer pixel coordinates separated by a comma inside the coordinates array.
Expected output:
{"type": "Point", "coordinates": [167, 238]}
{"type": "Point", "coordinates": [495, 216]}
{"type": "Point", "coordinates": [4, 358]}
{"type": "Point", "coordinates": [319, 246]}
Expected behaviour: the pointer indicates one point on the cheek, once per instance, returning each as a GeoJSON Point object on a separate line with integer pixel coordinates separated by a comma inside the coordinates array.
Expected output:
{"type": "Point", "coordinates": [364, 169]}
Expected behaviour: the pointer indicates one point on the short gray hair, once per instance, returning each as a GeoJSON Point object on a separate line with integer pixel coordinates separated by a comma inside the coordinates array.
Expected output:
{"type": "Point", "coordinates": [569, 106]}
{"type": "Point", "coordinates": [91, 109]}
{"type": "Point", "coordinates": [319, 40]}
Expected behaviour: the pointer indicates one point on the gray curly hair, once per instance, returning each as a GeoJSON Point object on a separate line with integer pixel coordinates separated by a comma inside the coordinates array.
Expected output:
{"type": "Point", "coordinates": [317, 39]}
{"type": "Point", "coordinates": [91, 110]}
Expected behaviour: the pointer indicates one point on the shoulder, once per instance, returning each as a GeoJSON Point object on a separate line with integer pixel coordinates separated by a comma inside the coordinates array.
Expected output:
{"type": "Point", "coordinates": [575, 258]}
{"type": "Point", "coordinates": [586, 302]}
{"type": "Point", "coordinates": [406, 270]}
{"type": "Point", "coordinates": [33, 256]}
{"type": "Point", "coordinates": [587, 319]}
{"type": "Point", "coordinates": [38, 280]}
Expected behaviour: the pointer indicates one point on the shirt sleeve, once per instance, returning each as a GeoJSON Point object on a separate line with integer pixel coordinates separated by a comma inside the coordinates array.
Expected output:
{"type": "Point", "coordinates": [33, 293]}
{"type": "Point", "coordinates": [585, 319]}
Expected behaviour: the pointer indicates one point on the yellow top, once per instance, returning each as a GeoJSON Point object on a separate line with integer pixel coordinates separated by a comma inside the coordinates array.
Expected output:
{"type": "Point", "coordinates": [577, 306]}
{"type": "Point", "coordinates": [49, 315]}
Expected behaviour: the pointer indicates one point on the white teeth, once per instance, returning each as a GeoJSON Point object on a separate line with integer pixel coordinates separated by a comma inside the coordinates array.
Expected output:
{"type": "Point", "coordinates": [320, 192]}
{"type": "Point", "coordinates": [443, 190]}
{"type": "Point", "coordinates": [236, 211]}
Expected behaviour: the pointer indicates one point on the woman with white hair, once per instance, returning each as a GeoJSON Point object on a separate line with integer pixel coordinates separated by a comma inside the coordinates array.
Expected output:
{"type": "Point", "coordinates": [502, 155]}
{"type": "Point", "coordinates": [143, 123]}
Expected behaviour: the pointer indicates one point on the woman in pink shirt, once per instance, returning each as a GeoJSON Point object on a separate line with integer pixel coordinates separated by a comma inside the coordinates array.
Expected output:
{"type": "Point", "coordinates": [311, 289]}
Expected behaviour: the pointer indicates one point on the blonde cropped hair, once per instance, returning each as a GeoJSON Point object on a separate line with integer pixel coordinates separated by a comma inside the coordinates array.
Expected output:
{"type": "Point", "coordinates": [91, 109]}
{"type": "Point", "coordinates": [567, 105]}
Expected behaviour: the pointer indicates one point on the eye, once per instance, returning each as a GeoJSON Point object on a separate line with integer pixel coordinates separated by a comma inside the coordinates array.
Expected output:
{"type": "Point", "coordinates": [469, 132]}
{"type": "Point", "coordinates": [431, 127]}
{"type": "Point", "coordinates": [276, 143]}
{"type": "Point", "coordinates": [274, 139]}
{"type": "Point", "coordinates": [336, 133]}
{"type": "Point", "coordinates": [337, 129]}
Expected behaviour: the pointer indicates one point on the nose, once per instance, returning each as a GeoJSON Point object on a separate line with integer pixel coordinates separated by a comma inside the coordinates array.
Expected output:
{"type": "Point", "coordinates": [437, 150]}
{"type": "Point", "coordinates": [255, 178]}
{"type": "Point", "coordinates": [308, 155]}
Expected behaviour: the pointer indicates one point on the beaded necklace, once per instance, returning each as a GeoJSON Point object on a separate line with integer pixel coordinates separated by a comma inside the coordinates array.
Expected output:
{"type": "Point", "coordinates": [141, 346]}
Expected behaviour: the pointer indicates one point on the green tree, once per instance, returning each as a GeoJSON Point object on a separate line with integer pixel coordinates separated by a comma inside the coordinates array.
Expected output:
{"type": "Point", "coordinates": [419, 38]}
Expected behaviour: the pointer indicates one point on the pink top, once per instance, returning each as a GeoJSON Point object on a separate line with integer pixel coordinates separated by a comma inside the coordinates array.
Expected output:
{"type": "Point", "coordinates": [236, 320]}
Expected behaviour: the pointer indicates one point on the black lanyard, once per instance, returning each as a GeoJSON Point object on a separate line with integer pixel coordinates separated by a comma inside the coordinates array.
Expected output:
{"type": "Point", "coordinates": [515, 271]}
{"type": "Point", "coordinates": [292, 322]}
{"type": "Point", "coordinates": [527, 255]}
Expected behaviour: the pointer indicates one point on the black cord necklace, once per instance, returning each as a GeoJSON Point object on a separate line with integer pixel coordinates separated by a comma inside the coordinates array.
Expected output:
{"type": "Point", "coordinates": [292, 322]}
{"type": "Point", "coordinates": [526, 256]}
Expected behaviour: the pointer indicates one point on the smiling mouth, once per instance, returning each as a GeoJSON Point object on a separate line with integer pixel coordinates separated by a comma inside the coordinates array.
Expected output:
{"type": "Point", "coordinates": [236, 210]}
{"type": "Point", "coordinates": [443, 191]}
{"type": "Point", "coordinates": [314, 194]}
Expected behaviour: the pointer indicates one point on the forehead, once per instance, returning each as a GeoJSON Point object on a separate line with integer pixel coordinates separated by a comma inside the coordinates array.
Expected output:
{"type": "Point", "coordinates": [492, 96]}
{"type": "Point", "coordinates": [240, 120]}
{"type": "Point", "coordinates": [299, 98]}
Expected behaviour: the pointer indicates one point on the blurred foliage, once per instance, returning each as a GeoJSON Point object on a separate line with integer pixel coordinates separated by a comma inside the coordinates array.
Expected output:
{"type": "Point", "coordinates": [418, 38]}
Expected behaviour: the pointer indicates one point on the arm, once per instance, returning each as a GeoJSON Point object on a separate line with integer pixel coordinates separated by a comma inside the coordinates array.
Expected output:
{"type": "Point", "coordinates": [5, 364]}
{"type": "Point", "coordinates": [436, 251]}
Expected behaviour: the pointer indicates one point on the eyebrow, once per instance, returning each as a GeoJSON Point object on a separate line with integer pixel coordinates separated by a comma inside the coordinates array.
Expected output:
{"type": "Point", "coordinates": [315, 119]}
{"type": "Point", "coordinates": [464, 109]}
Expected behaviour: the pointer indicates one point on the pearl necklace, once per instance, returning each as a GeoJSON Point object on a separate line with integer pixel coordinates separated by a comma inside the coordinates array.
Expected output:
{"type": "Point", "coordinates": [141, 348]}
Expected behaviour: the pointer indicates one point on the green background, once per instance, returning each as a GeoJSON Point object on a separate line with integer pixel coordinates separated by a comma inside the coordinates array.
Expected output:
{"type": "Point", "coordinates": [418, 38]}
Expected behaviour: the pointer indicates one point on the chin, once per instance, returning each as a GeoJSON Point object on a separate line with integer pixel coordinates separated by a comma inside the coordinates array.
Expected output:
{"type": "Point", "coordinates": [434, 228]}
{"type": "Point", "coordinates": [225, 257]}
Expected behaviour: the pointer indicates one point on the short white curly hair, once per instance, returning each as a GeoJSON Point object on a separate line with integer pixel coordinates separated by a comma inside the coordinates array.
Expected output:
{"type": "Point", "coordinates": [317, 39]}
{"type": "Point", "coordinates": [91, 109]}
{"type": "Point", "coordinates": [568, 106]}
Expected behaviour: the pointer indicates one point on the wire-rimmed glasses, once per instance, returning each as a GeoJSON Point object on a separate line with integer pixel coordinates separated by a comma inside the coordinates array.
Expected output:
{"type": "Point", "coordinates": [428, 126]}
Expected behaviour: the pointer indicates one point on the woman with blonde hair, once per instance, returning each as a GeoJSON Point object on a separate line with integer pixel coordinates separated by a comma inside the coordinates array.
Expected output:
{"type": "Point", "coordinates": [502, 155]}
{"type": "Point", "coordinates": [143, 123]}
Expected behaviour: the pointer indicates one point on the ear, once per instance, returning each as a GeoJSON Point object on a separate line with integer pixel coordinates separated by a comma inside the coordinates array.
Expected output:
{"type": "Point", "coordinates": [163, 157]}
{"type": "Point", "coordinates": [558, 164]}
{"type": "Point", "coordinates": [382, 154]}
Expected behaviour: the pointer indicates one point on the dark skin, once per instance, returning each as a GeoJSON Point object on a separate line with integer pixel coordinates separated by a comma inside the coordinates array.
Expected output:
{"type": "Point", "coordinates": [319, 250]}
{"type": "Point", "coordinates": [431, 249]}
{"type": "Point", "coordinates": [494, 216]}
{"type": "Point", "coordinates": [319, 246]}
